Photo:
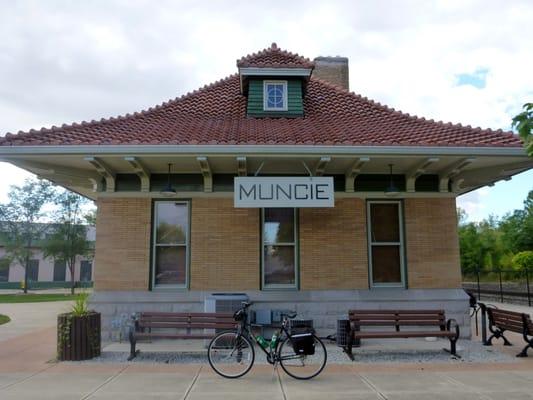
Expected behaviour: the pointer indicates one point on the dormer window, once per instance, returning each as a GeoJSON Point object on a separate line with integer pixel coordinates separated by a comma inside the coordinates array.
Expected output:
{"type": "Point", "coordinates": [275, 96]}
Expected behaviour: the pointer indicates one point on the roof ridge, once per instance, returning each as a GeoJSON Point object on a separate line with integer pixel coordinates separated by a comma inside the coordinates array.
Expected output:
{"type": "Point", "coordinates": [274, 49]}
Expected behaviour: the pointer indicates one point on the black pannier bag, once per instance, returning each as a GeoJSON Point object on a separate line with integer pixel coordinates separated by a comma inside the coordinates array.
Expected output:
{"type": "Point", "coordinates": [303, 344]}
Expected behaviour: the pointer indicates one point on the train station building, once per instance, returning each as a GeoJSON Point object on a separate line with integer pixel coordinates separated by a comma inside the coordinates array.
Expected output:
{"type": "Point", "coordinates": [276, 183]}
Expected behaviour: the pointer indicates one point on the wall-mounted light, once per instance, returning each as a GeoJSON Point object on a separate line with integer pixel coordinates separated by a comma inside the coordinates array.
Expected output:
{"type": "Point", "coordinates": [168, 190]}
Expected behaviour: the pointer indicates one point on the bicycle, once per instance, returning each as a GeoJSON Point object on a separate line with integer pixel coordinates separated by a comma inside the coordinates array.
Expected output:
{"type": "Point", "coordinates": [231, 354]}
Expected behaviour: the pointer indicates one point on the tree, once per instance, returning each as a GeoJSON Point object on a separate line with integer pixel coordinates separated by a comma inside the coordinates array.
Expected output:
{"type": "Point", "coordinates": [22, 217]}
{"type": "Point", "coordinates": [523, 123]}
{"type": "Point", "coordinates": [481, 244]}
{"type": "Point", "coordinates": [517, 228]}
{"type": "Point", "coordinates": [68, 239]}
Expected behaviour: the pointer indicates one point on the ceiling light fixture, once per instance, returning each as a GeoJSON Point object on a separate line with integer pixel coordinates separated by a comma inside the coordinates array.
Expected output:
{"type": "Point", "coordinates": [168, 190]}
{"type": "Point", "coordinates": [391, 190]}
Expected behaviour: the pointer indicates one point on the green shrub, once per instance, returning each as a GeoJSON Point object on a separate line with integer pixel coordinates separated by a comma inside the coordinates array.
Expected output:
{"type": "Point", "coordinates": [79, 308]}
{"type": "Point", "coordinates": [4, 319]}
{"type": "Point", "coordinates": [523, 260]}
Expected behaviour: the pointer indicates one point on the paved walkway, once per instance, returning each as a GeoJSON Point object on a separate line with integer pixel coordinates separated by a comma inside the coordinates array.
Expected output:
{"type": "Point", "coordinates": [27, 372]}
{"type": "Point", "coordinates": [29, 317]}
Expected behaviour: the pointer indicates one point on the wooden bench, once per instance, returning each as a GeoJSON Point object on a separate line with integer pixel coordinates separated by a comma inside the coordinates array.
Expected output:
{"type": "Point", "coordinates": [504, 320]}
{"type": "Point", "coordinates": [398, 319]}
{"type": "Point", "coordinates": [170, 325]}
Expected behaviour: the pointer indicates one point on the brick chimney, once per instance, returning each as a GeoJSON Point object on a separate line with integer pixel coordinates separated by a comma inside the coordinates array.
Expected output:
{"type": "Point", "coordinates": [333, 70]}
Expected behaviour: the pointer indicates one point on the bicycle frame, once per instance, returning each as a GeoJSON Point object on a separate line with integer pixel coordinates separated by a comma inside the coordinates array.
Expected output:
{"type": "Point", "coordinates": [244, 329]}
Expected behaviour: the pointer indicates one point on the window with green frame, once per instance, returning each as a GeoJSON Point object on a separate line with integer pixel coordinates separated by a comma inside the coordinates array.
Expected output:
{"type": "Point", "coordinates": [279, 248]}
{"type": "Point", "coordinates": [60, 271]}
{"type": "Point", "coordinates": [4, 269]}
{"type": "Point", "coordinates": [385, 243]}
{"type": "Point", "coordinates": [170, 247]}
{"type": "Point", "coordinates": [33, 270]}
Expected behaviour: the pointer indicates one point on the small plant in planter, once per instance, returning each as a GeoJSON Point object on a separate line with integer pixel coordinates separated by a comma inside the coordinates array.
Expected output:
{"type": "Point", "coordinates": [78, 332]}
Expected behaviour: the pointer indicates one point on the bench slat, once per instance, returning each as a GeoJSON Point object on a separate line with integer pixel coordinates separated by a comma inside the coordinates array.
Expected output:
{"type": "Point", "coordinates": [497, 311]}
{"type": "Point", "coordinates": [187, 316]}
{"type": "Point", "coordinates": [511, 327]}
{"type": "Point", "coordinates": [404, 334]}
{"type": "Point", "coordinates": [405, 312]}
{"type": "Point", "coordinates": [174, 325]}
{"type": "Point", "coordinates": [398, 323]}
{"type": "Point", "coordinates": [174, 336]}
{"type": "Point", "coordinates": [500, 318]}
{"type": "Point", "coordinates": [426, 317]}
{"type": "Point", "coordinates": [171, 314]}
{"type": "Point", "coordinates": [186, 321]}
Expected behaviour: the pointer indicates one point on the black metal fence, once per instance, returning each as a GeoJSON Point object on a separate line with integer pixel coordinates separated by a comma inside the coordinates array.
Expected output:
{"type": "Point", "coordinates": [500, 284]}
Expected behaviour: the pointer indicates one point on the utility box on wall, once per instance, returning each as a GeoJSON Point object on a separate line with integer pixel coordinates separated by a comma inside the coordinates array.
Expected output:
{"type": "Point", "coordinates": [224, 302]}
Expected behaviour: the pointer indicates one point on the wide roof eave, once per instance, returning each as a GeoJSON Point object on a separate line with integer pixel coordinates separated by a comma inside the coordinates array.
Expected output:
{"type": "Point", "coordinates": [262, 149]}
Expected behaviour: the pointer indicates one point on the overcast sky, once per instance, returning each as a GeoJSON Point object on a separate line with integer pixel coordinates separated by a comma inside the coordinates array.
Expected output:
{"type": "Point", "coordinates": [458, 61]}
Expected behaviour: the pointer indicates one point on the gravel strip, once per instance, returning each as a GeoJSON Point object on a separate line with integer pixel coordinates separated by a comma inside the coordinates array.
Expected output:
{"type": "Point", "coordinates": [470, 352]}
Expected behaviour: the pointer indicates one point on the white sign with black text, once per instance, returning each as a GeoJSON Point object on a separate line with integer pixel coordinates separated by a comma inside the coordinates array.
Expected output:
{"type": "Point", "coordinates": [281, 192]}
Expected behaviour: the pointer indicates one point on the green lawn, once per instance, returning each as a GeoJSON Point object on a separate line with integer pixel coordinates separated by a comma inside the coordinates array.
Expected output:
{"type": "Point", "coordinates": [4, 319]}
{"type": "Point", "coordinates": [35, 298]}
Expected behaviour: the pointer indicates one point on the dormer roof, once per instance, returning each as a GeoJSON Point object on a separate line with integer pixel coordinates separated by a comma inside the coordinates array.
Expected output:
{"type": "Point", "coordinates": [274, 57]}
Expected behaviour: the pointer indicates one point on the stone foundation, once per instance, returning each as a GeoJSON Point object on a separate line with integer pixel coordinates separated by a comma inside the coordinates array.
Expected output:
{"type": "Point", "coordinates": [324, 307]}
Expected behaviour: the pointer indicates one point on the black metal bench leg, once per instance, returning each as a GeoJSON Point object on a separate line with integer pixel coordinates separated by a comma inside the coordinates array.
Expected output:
{"type": "Point", "coordinates": [453, 347]}
{"type": "Point", "coordinates": [133, 343]}
{"type": "Point", "coordinates": [505, 341]}
{"type": "Point", "coordinates": [488, 342]}
{"type": "Point", "coordinates": [523, 353]}
{"type": "Point", "coordinates": [498, 335]}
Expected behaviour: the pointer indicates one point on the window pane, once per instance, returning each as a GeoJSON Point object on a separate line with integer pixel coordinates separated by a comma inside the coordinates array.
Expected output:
{"type": "Point", "coordinates": [279, 265]}
{"type": "Point", "coordinates": [170, 265]}
{"type": "Point", "coordinates": [172, 222]}
{"type": "Point", "coordinates": [279, 225]}
{"type": "Point", "coordinates": [386, 266]}
{"type": "Point", "coordinates": [86, 271]}
{"type": "Point", "coordinates": [275, 95]}
{"type": "Point", "coordinates": [4, 270]}
{"type": "Point", "coordinates": [33, 270]}
{"type": "Point", "coordinates": [60, 271]}
{"type": "Point", "coordinates": [385, 224]}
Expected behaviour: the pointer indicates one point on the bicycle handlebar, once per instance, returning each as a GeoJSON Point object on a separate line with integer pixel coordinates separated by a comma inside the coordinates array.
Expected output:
{"type": "Point", "coordinates": [290, 316]}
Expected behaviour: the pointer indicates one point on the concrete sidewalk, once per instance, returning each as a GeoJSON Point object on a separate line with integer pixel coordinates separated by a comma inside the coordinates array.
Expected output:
{"type": "Point", "coordinates": [30, 317]}
{"type": "Point", "coordinates": [67, 381]}
{"type": "Point", "coordinates": [27, 372]}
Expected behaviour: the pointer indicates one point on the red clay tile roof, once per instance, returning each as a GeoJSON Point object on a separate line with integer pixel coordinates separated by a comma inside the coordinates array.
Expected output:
{"type": "Point", "coordinates": [216, 114]}
{"type": "Point", "coordinates": [274, 57]}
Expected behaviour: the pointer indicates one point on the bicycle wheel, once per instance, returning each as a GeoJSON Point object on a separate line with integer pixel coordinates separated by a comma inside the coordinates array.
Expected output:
{"type": "Point", "coordinates": [302, 366]}
{"type": "Point", "coordinates": [231, 356]}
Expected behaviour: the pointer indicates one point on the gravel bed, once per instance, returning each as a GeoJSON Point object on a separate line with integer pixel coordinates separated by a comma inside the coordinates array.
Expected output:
{"type": "Point", "coordinates": [470, 352]}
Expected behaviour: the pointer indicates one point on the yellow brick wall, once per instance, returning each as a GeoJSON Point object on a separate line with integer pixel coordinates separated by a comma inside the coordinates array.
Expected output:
{"type": "Point", "coordinates": [225, 243]}
{"type": "Point", "coordinates": [122, 252]}
{"type": "Point", "coordinates": [333, 246]}
{"type": "Point", "coordinates": [432, 244]}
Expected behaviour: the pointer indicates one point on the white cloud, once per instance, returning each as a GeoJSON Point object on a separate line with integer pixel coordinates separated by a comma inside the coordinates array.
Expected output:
{"type": "Point", "coordinates": [63, 61]}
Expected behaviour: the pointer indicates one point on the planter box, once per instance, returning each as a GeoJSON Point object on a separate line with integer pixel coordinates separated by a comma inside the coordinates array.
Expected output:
{"type": "Point", "coordinates": [78, 338]}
